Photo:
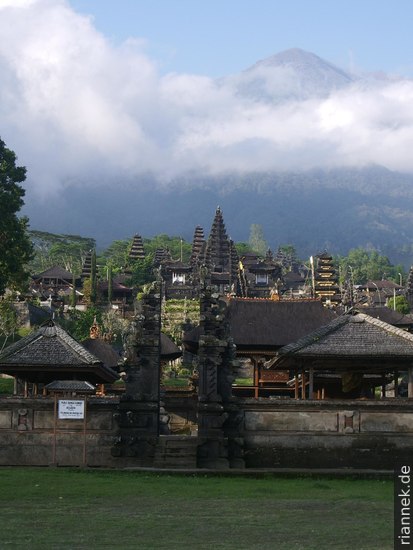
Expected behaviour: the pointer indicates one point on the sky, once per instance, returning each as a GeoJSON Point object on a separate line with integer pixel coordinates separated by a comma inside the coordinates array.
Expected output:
{"type": "Point", "coordinates": [220, 37]}
{"type": "Point", "coordinates": [101, 93]}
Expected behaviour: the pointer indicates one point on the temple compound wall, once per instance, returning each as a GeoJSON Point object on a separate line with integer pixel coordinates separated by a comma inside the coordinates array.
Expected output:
{"type": "Point", "coordinates": [327, 434]}
{"type": "Point", "coordinates": [31, 435]}
{"type": "Point", "coordinates": [276, 434]}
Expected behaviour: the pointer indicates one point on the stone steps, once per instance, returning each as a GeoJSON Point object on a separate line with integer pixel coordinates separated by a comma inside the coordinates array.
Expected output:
{"type": "Point", "coordinates": [176, 451]}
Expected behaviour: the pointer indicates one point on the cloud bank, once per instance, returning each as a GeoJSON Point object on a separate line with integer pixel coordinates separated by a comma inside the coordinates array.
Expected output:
{"type": "Point", "coordinates": [79, 110]}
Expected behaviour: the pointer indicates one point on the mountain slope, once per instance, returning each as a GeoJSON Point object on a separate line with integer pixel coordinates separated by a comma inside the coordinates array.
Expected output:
{"type": "Point", "coordinates": [290, 75]}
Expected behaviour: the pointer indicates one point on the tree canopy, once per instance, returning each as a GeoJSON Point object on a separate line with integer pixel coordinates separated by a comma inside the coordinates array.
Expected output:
{"type": "Point", "coordinates": [257, 241]}
{"type": "Point", "coordinates": [363, 265]}
{"type": "Point", "coordinates": [15, 245]}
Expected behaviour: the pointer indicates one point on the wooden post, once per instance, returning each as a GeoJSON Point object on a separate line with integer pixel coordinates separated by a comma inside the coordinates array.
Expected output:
{"type": "Point", "coordinates": [84, 431]}
{"type": "Point", "coordinates": [296, 391]}
{"type": "Point", "coordinates": [256, 378]}
{"type": "Point", "coordinates": [302, 383]}
{"type": "Point", "coordinates": [396, 383]}
{"type": "Point", "coordinates": [383, 385]}
{"type": "Point", "coordinates": [54, 431]}
{"type": "Point", "coordinates": [311, 383]}
{"type": "Point", "coordinates": [410, 383]}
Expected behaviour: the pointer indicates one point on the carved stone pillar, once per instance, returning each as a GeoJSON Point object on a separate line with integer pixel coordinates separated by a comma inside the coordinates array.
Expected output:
{"type": "Point", "coordinates": [218, 415]}
{"type": "Point", "coordinates": [139, 408]}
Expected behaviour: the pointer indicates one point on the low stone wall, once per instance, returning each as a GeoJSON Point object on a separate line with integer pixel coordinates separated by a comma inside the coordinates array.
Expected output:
{"type": "Point", "coordinates": [27, 434]}
{"type": "Point", "coordinates": [277, 433]}
{"type": "Point", "coordinates": [327, 434]}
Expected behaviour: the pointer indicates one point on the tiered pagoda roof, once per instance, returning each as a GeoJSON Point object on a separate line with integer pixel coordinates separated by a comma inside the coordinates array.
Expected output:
{"type": "Point", "coordinates": [137, 251]}
{"type": "Point", "coordinates": [326, 279]}
{"type": "Point", "coordinates": [218, 253]}
{"type": "Point", "coordinates": [197, 244]}
{"type": "Point", "coordinates": [161, 255]}
{"type": "Point", "coordinates": [87, 266]}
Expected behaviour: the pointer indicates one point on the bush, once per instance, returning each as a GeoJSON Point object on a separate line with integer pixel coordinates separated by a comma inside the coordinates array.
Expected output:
{"type": "Point", "coordinates": [6, 386]}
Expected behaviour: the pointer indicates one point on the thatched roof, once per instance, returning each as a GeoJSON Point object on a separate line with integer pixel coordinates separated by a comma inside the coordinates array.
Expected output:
{"type": "Point", "coordinates": [49, 354]}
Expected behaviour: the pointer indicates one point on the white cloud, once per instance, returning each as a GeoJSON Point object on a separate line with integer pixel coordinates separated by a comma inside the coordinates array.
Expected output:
{"type": "Point", "coordinates": [75, 108]}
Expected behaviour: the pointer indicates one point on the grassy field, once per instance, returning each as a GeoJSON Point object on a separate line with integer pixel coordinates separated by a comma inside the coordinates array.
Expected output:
{"type": "Point", "coordinates": [65, 508]}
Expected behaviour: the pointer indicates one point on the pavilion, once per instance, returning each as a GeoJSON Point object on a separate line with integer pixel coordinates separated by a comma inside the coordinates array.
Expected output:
{"type": "Point", "coordinates": [50, 354]}
{"type": "Point", "coordinates": [347, 357]}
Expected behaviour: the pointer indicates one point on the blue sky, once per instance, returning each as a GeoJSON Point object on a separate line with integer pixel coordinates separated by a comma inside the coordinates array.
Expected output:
{"type": "Point", "coordinates": [219, 37]}
{"type": "Point", "coordinates": [102, 92]}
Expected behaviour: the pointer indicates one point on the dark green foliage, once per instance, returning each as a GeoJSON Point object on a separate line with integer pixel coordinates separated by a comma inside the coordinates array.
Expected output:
{"type": "Point", "coordinates": [402, 305]}
{"type": "Point", "coordinates": [142, 271]}
{"type": "Point", "coordinates": [116, 254]}
{"type": "Point", "coordinates": [15, 246]}
{"type": "Point", "coordinates": [73, 293]}
{"type": "Point", "coordinates": [9, 324]}
{"type": "Point", "coordinates": [256, 240]}
{"type": "Point", "coordinates": [6, 386]}
{"type": "Point", "coordinates": [177, 246]}
{"type": "Point", "coordinates": [67, 251]}
{"type": "Point", "coordinates": [93, 279]}
{"type": "Point", "coordinates": [243, 248]}
{"type": "Point", "coordinates": [362, 265]}
{"type": "Point", "coordinates": [78, 323]}
{"type": "Point", "coordinates": [110, 283]}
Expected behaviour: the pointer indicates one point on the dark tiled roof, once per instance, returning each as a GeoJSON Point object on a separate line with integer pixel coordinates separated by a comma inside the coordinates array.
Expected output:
{"type": "Point", "coordinates": [272, 324]}
{"type": "Point", "coordinates": [103, 351]}
{"type": "Point", "coordinates": [388, 316]}
{"type": "Point", "coordinates": [71, 385]}
{"type": "Point", "coordinates": [51, 352]}
{"type": "Point", "coordinates": [49, 345]}
{"type": "Point", "coordinates": [169, 350]}
{"type": "Point", "coordinates": [381, 285]}
{"type": "Point", "coordinates": [349, 336]}
{"type": "Point", "coordinates": [116, 287]}
{"type": "Point", "coordinates": [55, 272]}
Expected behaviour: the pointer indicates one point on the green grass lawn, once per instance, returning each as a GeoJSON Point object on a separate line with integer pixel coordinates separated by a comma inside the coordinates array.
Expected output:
{"type": "Point", "coordinates": [65, 508]}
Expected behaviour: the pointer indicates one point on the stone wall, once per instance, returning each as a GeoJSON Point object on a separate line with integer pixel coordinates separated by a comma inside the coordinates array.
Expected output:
{"type": "Point", "coordinates": [327, 434]}
{"type": "Point", "coordinates": [277, 433]}
{"type": "Point", "coordinates": [27, 434]}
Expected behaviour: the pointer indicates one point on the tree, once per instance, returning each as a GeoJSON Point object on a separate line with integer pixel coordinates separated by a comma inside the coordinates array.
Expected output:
{"type": "Point", "coordinates": [402, 305]}
{"type": "Point", "coordinates": [93, 279]}
{"type": "Point", "coordinates": [363, 265]}
{"type": "Point", "coordinates": [142, 271]}
{"type": "Point", "coordinates": [117, 254]}
{"type": "Point", "coordinates": [9, 323]}
{"type": "Point", "coordinates": [257, 241]}
{"type": "Point", "coordinates": [15, 246]}
{"type": "Point", "coordinates": [243, 248]}
{"type": "Point", "coordinates": [110, 283]}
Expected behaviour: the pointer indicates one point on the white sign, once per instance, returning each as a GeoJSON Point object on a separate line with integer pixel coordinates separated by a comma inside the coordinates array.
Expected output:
{"type": "Point", "coordinates": [69, 408]}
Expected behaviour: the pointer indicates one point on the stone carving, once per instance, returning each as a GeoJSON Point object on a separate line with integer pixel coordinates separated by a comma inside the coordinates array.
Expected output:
{"type": "Point", "coordinates": [218, 414]}
{"type": "Point", "coordinates": [139, 409]}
